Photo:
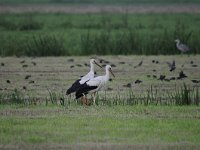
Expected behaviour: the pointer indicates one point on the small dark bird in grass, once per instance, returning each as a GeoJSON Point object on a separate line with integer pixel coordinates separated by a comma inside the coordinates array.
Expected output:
{"type": "Point", "coordinates": [153, 61]}
{"type": "Point", "coordinates": [24, 66]}
{"type": "Point", "coordinates": [194, 65]}
{"type": "Point", "coordinates": [113, 65]}
{"type": "Point", "coordinates": [182, 75]}
{"type": "Point", "coordinates": [31, 81]}
{"type": "Point", "coordinates": [138, 81]}
{"type": "Point", "coordinates": [109, 89]}
{"type": "Point", "coordinates": [34, 63]}
{"type": "Point", "coordinates": [154, 76]}
{"type": "Point", "coordinates": [154, 70]}
{"type": "Point", "coordinates": [103, 65]}
{"type": "Point", "coordinates": [138, 65]}
{"type": "Point", "coordinates": [23, 61]}
{"type": "Point", "coordinates": [172, 65]}
{"type": "Point", "coordinates": [71, 66]}
{"type": "Point", "coordinates": [78, 65]}
{"type": "Point", "coordinates": [8, 81]}
{"type": "Point", "coordinates": [172, 78]}
{"type": "Point", "coordinates": [157, 62]}
{"type": "Point", "coordinates": [27, 77]}
{"type": "Point", "coordinates": [127, 85]}
{"type": "Point", "coordinates": [110, 80]}
{"type": "Point", "coordinates": [162, 77]}
{"type": "Point", "coordinates": [2, 64]}
{"type": "Point", "coordinates": [148, 76]}
{"type": "Point", "coordinates": [107, 62]}
{"type": "Point", "coordinates": [24, 87]}
{"type": "Point", "coordinates": [168, 80]}
{"type": "Point", "coordinates": [87, 65]}
{"type": "Point", "coordinates": [191, 62]}
{"type": "Point", "coordinates": [195, 81]}
{"type": "Point", "coordinates": [121, 62]}
{"type": "Point", "coordinates": [70, 60]}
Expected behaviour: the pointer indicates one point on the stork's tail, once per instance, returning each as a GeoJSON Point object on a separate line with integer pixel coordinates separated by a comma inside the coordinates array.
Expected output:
{"type": "Point", "coordinates": [75, 86]}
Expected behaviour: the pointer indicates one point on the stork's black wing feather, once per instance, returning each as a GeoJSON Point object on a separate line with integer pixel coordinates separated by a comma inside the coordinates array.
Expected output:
{"type": "Point", "coordinates": [75, 86]}
{"type": "Point", "coordinates": [84, 89]}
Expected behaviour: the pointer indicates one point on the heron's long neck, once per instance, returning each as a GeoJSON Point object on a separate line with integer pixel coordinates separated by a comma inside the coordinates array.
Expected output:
{"type": "Point", "coordinates": [91, 67]}
{"type": "Point", "coordinates": [177, 44]}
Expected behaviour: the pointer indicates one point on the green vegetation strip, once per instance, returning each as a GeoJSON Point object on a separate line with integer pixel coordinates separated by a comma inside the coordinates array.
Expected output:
{"type": "Point", "coordinates": [41, 34]}
{"type": "Point", "coordinates": [122, 125]}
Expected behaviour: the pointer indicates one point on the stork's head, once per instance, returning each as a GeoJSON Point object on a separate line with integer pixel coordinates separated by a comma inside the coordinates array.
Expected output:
{"type": "Point", "coordinates": [109, 68]}
{"type": "Point", "coordinates": [93, 61]}
{"type": "Point", "coordinates": [177, 40]}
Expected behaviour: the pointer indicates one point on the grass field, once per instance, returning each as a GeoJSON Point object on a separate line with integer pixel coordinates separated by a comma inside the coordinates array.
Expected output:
{"type": "Point", "coordinates": [38, 77]}
{"type": "Point", "coordinates": [145, 106]}
{"type": "Point", "coordinates": [97, 1]}
{"type": "Point", "coordinates": [42, 34]}
{"type": "Point", "coordinates": [119, 127]}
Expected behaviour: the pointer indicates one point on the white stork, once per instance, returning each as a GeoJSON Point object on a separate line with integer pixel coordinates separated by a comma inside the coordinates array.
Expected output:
{"type": "Point", "coordinates": [180, 46]}
{"type": "Point", "coordinates": [75, 86]}
{"type": "Point", "coordinates": [94, 85]}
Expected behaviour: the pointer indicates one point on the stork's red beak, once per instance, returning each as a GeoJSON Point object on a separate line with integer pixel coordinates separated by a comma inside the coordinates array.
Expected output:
{"type": "Point", "coordinates": [111, 72]}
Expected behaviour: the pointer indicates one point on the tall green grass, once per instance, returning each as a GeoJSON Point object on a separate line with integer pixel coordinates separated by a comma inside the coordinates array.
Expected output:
{"type": "Point", "coordinates": [181, 96]}
{"type": "Point", "coordinates": [105, 34]}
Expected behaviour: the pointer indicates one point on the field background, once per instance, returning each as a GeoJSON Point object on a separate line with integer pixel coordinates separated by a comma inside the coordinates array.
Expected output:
{"type": "Point", "coordinates": [35, 113]}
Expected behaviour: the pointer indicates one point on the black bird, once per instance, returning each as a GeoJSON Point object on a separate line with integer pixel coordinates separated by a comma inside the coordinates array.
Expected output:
{"type": "Point", "coordinates": [148, 76]}
{"type": "Point", "coordinates": [78, 65]}
{"type": "Point", "coordinates": [27, 77]}
{"type": "Point", "coordinates": [34, 63]}
{"type": "Point", "coordinates": [23, 61]}
{"type": "Point", "coordinates": [172, 78]}
{"type": "Point", "coordinates": [31, 81]}
{"type": "Point", "coordinates": [195, 81]}
{"type": "Point", "coordinates": [194, 65]}
{"type": "Point", "coordinates": [70, 60]}
{"type": "Point", "coordinates": [154, 76]}
{"type": "Point", "coordinates": [122, 62]}
{"type": "Point", "coordinates": [8, 81]}
{"type": "Point", "coordinates": [140, 64]}
{"type": "Point", "coordinates": [162, 77]}
{"type": "Point", "coordinates": [2, 64]}
{"type": "Point", "coordinates": [24, 66]}
{"type": "Point", "coordinates": [113, 65]}
{"type": "Point", "coordinates": [172, 65]}
{"type": "Point", "coordinates": [168, 80]}
{"type": "Point", "coordinates": [127, 85]}
{"type": "Point", "coordinates": [138, 81]}
{"type": "Point", "coordinates": [72, 66]}
{"type": "Point", "coordinates": [181, 75]}
{"type": "Point", "coordinates": [154, 70]}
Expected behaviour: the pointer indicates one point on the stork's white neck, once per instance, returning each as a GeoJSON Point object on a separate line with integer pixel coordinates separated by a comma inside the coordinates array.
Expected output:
{"type": "Point", "coordinates": [107, 73]}
{"type": "Point", "coordinates": [91, 67]}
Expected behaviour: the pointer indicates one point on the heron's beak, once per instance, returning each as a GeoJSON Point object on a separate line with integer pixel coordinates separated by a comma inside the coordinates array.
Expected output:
{"type": "Point", "coordinates": [98, 64]}
{"type": "Point", "coordinates": [111, 72]}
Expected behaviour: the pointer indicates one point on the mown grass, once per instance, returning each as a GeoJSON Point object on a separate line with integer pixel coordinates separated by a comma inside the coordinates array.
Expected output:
{"type": "Point", "coordinates": [96, 1]}
{"type": "Point", "coordinates": [58, 34]}
{"type": "Point", "coordinates": [115, 125]}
